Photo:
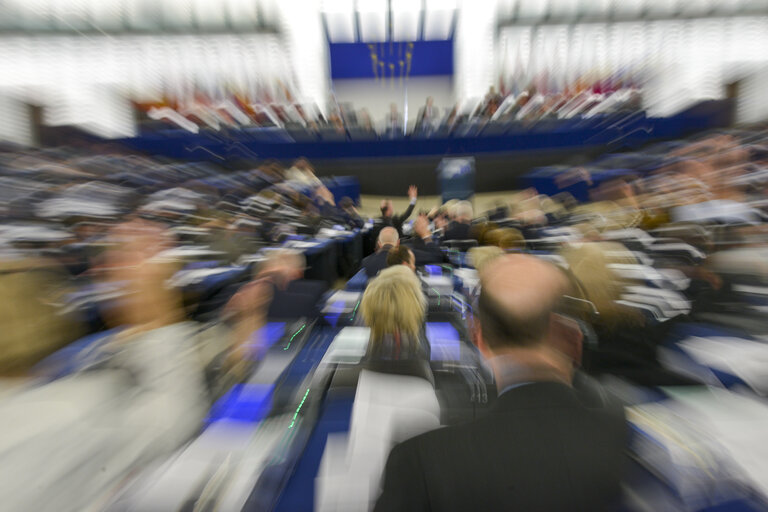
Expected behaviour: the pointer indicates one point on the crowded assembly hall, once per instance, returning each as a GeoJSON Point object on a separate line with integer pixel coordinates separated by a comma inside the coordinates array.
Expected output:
{"type": "Point", "coordinates": [383, 255]}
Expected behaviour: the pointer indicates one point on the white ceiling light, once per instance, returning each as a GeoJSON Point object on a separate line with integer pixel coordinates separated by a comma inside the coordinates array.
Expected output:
{"type": "Point", "coordinates": [628, 8]}
{"type": "Point", "coordinates": [438, 19]}
{"type": "Point", "coordinates": [563, 8]}
{"type": "Point", "coordinates": [71, 15]}
{"type": "Point", "coordinates": [242, 13]}
{"type": "Point", "coordinates": [532, 11]}
{"type": "Point", "coordinates": [695, 7]}
{"type": "Point", "coordinates": [730, 6]}
{"type": "Point", "coordinates": [175, 13]}
{"type": "Point", "coordinates": [34, 14]}
{"type": "Point", "coordinates": [340, 20]}
{"type": "Point", "coordinates": [661, 7]}
{"type": "Point", "coordinates": [148, 15]}
{"type": "Point", "coordinates": [209, 14]}
{"type": "Point", "coordinates": [341, 27]}
{"type": "Point", "coordinates": [106, 14]}
{"type": "Point", "coordinates": [506, 8]}
{"type": "Point", "coordinates": [373, 20]}
{"type": "Point", "coordinates": [406, 16]}
{"type": "Point", "coordinates": [596, 8]}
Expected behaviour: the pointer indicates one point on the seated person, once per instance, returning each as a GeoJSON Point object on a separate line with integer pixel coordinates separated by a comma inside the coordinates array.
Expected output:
{"type": "Point", "coordinates": [388, 238]}
{"type": "Point", "coordinates": [277, 292]}
{"type": "Point", "coordinates": [425, 249]}
{"type": "Point", "coordinates": [427, 118]}
{"type": "Point", "coordinates": [142, 396]}
{"type": "Point", "coordinates": [352, 217]}
{"type": "Point", "coordinates": [388, 217]}
{"type": "Point", "coordinates": [292, 295]}
{"type": "Point", "coordinates": [541, 447]}
{"type": "Point", "coordinates": [505, 238]}
{"type": "Point", "coordinates": [394, 307]}
{"type": "Point", "coordinates": [303, 172]}
{"type": "Point", "coordinates": [461, 227]}
{"type": "Point", "coordinates": [401, 255]}
{"type": "Point", "coordinates": [627, 342]}
{"type": "Point", "coordinates": [394, 396]}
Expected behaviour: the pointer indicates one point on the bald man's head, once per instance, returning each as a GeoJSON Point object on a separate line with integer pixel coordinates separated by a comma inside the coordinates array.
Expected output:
{"type": "Point", "coordinates": [388, 236]}
{"type": "Point", "coordinates": [519, 294]}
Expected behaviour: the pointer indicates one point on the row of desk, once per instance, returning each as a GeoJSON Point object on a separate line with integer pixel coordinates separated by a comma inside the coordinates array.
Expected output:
{"type": "Point", "coordinates": [265, 438]}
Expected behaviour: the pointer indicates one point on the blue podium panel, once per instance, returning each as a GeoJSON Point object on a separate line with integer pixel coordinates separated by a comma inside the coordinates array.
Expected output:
{"type": "Point", "coordinates": [457, 178]}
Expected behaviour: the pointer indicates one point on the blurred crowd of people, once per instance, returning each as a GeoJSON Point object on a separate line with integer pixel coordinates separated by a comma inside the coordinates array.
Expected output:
{"type": "Point", "coordinates": [662, 288]}
{"type": "Point", "coordinates": [107, 260]}
{"type": "Point", "coordinates": [537, 102]}
{"type": "Point", "coordinates": [561, 292]}
{"type": "Point", "coordinates": [71, 218]}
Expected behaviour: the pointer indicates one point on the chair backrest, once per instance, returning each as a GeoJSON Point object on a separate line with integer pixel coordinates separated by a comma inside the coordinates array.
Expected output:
{"type": "Point", "coordinates": [388, 409]}
{"type": "Point", "coordinates": [460, 245]}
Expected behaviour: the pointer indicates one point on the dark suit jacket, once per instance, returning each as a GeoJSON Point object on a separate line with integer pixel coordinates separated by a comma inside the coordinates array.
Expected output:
{"type": "Point", "coordinates": [458, 231]}
{"type": "Point", "coordinates": [539, 449]}
{"type": "Point", "coordinates": [376, 261]}
{"type": "Point", "coordinates": [396, 221]}
{"type": "Point", "coordinates": [426, 253]}
{"type": "Point", "coordinates": [421, 117]}
{"type": "Point", "coordinates": [301, 298]}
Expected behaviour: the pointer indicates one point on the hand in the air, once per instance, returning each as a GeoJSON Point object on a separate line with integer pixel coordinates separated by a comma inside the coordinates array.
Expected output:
{"type": "Point", "coordinates": [421, 226]}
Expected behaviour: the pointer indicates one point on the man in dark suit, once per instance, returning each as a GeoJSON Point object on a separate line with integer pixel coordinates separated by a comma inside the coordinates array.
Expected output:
{"type": "Point", "coordinates": [388, 238]}
{"type": "Point", "coordinates": [425, 249]}
{"type": "Point", "coordinates": [401, 255]}
{"type": "Point", "coordinates": [388, 217]}
{"type": "Point", "coordinates": [541, 447]}
{"type": "Point", "coordinates": [278, 292]}
{"type": "Point", "coordinates": [461, 227]}
{"type": "Point", "coordinates": [427, 118]}
{"type": "Point", "coordinates": [292, 295]}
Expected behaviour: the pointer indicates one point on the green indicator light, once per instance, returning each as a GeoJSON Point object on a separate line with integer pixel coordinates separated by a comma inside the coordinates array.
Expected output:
{"type": "Point", "coordinates": [296, 414]}
{"type": "Point", "coordinates": [438, 296]}
{"type": "Point", "coordinates": [294, 335]}
{"type": "Point", "coordinates": [354, 311]}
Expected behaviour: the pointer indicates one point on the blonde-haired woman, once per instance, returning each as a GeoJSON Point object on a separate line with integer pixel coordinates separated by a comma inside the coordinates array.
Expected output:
{"type": "Point", "coordinates": [589, 263]}
{"type": "Point", "coordinates": [394, 307]}
{"type": "Point", "coordinates": [392, 400]}
{"type": "Point", "coordinates": [626, 341]}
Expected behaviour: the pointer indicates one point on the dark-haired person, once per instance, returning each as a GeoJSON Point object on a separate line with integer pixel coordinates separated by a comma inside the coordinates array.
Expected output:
{"type": "Point", "coordinates": [388, 217]}
{"type": "Point", "coordinates": [350, 213]}
{"type": "Point", "coordinates": [541, 447]}
{"type": "Point", "coordinates": [401, 255]}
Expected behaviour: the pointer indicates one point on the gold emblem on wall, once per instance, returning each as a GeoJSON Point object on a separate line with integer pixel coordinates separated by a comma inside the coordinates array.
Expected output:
{"type": "Point", "coordinates": [381, 61]}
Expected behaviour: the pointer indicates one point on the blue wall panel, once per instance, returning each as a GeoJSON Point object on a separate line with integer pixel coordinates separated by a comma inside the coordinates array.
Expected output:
{"type": "Point", "coordinates": [388, 60]}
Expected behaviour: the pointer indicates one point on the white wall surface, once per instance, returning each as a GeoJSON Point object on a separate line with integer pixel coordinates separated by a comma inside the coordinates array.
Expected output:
{"type": "Point", "coordinates": [305, 50]}
{"type": "Point", "coordinates": [16, 125]}
{"type": "Point", "coordinates": [475, 48]}
{"type": "Point", "coordinates": [752, 103]}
